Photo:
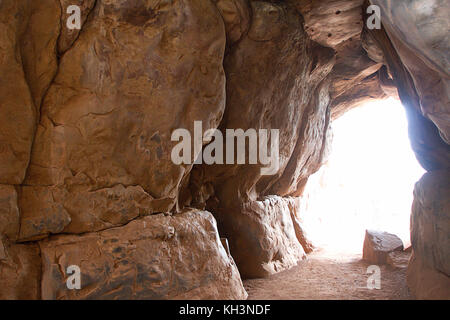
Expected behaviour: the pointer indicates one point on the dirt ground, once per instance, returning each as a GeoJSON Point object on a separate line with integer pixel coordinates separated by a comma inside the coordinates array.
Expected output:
{"type": "Point", "coordinates": [330, 275]}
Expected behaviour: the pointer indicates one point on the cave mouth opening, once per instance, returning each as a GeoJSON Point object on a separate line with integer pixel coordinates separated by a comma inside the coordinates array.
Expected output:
{"type": "Point", "coordinates": [367, 181]}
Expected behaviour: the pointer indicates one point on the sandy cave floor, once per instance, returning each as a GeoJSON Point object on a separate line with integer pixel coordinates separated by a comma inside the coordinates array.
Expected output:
{"type": "Point", "coordinates": [331, 275]}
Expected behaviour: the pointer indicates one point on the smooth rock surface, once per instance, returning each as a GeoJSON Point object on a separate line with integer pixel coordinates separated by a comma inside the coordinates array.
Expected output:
{"type": "Point", "coordinates": [275, 80]}
{"type": "Point", "coordinates": [68, 36]}
{"type": "Point", "coordinates": [425, 282]}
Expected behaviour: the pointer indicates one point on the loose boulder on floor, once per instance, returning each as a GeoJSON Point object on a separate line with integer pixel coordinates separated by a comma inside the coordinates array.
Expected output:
{"type": "Point", "coordinates": [378, 245]}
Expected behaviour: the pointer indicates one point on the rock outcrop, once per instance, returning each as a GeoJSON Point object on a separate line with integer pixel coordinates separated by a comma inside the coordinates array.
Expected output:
{"type": "Point", "coordinates": [418, 31]}
{"type": "Point", "coordinates": [415, 45]}
{"type": "Point", "coordinates": [262, 237]}
{"type": "Point", "coordinates": [262, 93]}
{"type": "Point", "coordinates": [297, 210]}
{"type": "Point", "coordinates": [429, 268]}
{"type": "Point", "coordinates": [87, 117]}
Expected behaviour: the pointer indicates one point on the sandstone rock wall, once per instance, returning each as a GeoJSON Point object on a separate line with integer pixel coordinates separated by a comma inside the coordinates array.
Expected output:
{"type": "Point", "coordinates": [428, 142]}
{"type": "Point", "coordinates": [429, 267]}
{"type": "Point", "coordinates": [86, 117]}
{"type": "Point", "coordinates": [276, 79]}
{"type": "Point", "coordinates": [106, 120]}
{"type": "Point", "coordinates": [419, 32]}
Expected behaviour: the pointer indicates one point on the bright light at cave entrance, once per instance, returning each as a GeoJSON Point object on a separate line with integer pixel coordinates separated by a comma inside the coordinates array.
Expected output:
{"type": "Point", "coordinates": [368, 181]}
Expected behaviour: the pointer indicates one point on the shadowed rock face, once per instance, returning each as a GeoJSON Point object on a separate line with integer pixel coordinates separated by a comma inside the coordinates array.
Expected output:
{"type": "Point", "coordinates": [86, 118]}
{"type": "Point", "coordinates": [429, 268]}
{"type": "Point", "coordinates": [419, 33]}
{"type": "Point", "coordinates": [104, 130]}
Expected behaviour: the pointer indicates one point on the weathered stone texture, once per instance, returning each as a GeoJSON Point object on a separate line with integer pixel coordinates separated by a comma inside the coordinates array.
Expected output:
{"type": "Point", "coordinates": [101, 155]}
{"type": "Point", "coordinates": [155, 257]}
{"type": "Point", "coordinates": [429, 269]}
{"type": "Point", "coordinates": [86, 118]}
{"type": "Point", "coordinates": [20, 271]}
{"type": "Point", "coordinates": [27, 66]}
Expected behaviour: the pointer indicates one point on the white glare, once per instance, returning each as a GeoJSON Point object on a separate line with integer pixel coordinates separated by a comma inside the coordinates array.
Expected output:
{"type": "Point", "coordinates": [368, 181]}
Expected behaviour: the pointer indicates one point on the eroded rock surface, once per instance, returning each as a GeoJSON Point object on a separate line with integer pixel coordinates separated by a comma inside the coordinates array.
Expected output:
{"type": "Point", "coordinates": [86, 118]}
{"type": "Point", "coordinates": [419, 32]}
{"type": "Point", "coordinates": [284, 88]}
{"type": "Point", "coordinates": [101, 155]}
{"type": "Point", "coordinates": [296, 211]}
{"type": "Point", "coordinates": [262, 237]}
{"type": "Point", "coordinates": [408, 73]}
{"type": "Point", "coordinates": [429, 268]}
{"type": "Point", "coordinates": [155, 257]}
{"type": "Point", "coordinates": [378, 245]}
{"type": "Point", "coordinates": [9, 212]}
{"type": "Point", "coordinates": [27, 64]}
{"type": "Point", "coordinates": [20, 271]}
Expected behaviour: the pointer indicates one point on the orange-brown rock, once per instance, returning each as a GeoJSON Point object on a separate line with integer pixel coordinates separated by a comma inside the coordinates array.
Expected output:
{"type": "Point", "coordinates": [276, 37]}
{"type": "Point", "coordinates": [419, 32]}
{"type": "Point", "coordinates": [262, 237]}
{"type": "Point", "coordinates": [101, 155]}
{"type": "Point", "coordinates": [9, 212]}
{"type": "Point", "coordinates": [20, 271]}
{"type": "Point", "coordinates": [68, 36]}
{"type": "Point", "coordinates": [155, 257]}
{"type": "Point", "coordinates": [29, 31]}
{"type": "Point", "coordinates": [339, 24]}
{"type": "Point", "coordinates": [425, 282]}
{"type": "Point", "coordinates": [236, 16]}
{"type": "Point", "coordinates": [429, 268]}
{"type": "Point", "coordinates": [275, 80]}
{"type": "Point", "coordinates": [331, 22]}
{"type": "Point", "coordinates": [86, 117]}
{"type": "Point", "coordinates": [312, 147]}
